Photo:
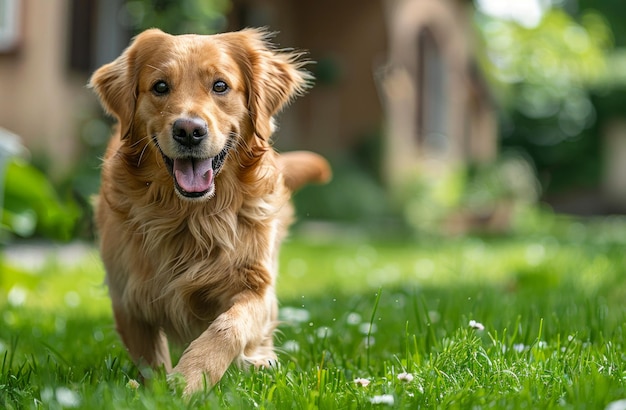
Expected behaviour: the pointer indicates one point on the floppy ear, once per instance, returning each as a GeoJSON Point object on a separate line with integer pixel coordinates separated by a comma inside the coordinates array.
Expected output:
{"type": "Point", "coordinates": [116, 83]}
{"type": "Point", "coordinates": [274, 78]}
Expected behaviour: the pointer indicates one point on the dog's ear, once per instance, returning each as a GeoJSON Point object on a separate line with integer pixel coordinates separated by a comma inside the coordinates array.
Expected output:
{"type": "Point", "coordinates": [274, 77]}
{"type": "Point", "coordinates": [116, 83]}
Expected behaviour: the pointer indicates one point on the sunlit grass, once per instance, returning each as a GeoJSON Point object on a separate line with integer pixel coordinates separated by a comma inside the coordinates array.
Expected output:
{"type": "Point", "coordinates": [394, 316]}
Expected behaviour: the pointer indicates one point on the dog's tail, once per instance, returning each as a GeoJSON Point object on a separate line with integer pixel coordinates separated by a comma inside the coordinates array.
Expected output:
{"type": "Point", "coordinates": [302, 167]}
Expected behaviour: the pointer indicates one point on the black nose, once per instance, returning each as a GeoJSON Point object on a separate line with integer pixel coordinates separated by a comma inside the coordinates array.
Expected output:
{"type": "Point", "coordinates": [189, 131]}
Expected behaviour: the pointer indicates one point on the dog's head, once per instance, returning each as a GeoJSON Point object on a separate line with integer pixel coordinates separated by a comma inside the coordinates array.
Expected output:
{"type": "Point", "coordinates": [196, 98]}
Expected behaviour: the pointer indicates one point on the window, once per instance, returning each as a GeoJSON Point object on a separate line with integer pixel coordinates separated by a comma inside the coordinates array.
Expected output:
{"type": "Point", "coordinates": [82, 19]}
{"type": "Point", "coordinates": [96, 35]}
{"type": "Point", "coordinates": [432, 96]}
{"type": "Point", "coordinates": [10, 27]}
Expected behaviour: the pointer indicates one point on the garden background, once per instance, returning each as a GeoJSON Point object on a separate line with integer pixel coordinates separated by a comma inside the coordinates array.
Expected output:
{"type": "Point", "coordinates": [485, 280]}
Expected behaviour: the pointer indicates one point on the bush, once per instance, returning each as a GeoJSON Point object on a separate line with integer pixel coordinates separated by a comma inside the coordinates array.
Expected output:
{"type": "Point", "coordinates": [484, 197]}
{"type": "Point", "coordinates": [352, 196]}
{"type": "Point", "coordinates": [31, 205]}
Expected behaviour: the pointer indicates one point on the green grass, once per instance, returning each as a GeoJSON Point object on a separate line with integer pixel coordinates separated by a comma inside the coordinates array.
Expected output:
{"type": "Point", "coordinates": [553, 310]}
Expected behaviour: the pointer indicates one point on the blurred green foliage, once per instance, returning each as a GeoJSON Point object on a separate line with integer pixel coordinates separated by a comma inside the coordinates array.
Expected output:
{"type": "Point", "coordinates": [178, 16]}
{"type": "Point", "coordinates": [612, 10]}
{"type": "Point", "coordinates": [353, 195]}
{"type": "Point", "coordinates": [31, 205]}
{"type": "Point", "coordinates": [484, 198]}
{"type": "Point", "coordinates": [551, 81]}
{"type": "Point", "coordinates": [546, 62]}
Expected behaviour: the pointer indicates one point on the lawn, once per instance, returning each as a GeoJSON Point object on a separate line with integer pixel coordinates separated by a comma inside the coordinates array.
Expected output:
{"type": "Point", "coordinates": [529, 321]}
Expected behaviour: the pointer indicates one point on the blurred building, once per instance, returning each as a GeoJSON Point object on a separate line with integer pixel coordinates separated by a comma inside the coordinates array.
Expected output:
{"type": "Point", "coordinates": [347, 40]}
{"type": "Point", "coordinates": [402, 69]}
{"type": "Point", "coordinates": [47, 51]}
{"type": "Point", "coordinates": [399, 68]}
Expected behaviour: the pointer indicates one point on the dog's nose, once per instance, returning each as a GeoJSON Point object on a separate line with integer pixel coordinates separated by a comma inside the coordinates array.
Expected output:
{"type": "Point", "coordinates": [189, 131]}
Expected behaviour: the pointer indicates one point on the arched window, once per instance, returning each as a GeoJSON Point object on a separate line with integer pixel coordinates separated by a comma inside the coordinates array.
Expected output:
{"type": "Point", "coordinates": [432, 96]}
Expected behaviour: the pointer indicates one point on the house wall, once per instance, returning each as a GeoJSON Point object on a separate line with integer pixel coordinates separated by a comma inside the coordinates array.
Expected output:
{"type": "Point", "coordinates": [613, 183]}
{"type": "Point", "coordinates": [40, 101]}
{"type": "Point", "coordinates": [347, 41]}
{"type": "Point", "coordinates": [470, 124]}
{"type": "Point", "coordinates": [46, 104]}
{"type": "Point", "coordinates": [350, 36]}
{"type": "Point", "coordinates": [351, 41]}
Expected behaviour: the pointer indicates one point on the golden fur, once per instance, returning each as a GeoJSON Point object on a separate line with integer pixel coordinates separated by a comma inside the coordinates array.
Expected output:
{"type": "Point", "coordinates": [190, 243]}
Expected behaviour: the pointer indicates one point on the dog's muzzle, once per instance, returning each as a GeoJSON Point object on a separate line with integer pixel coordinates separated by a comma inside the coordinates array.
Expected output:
{"type": "Point", "coordinates": [194, 176]}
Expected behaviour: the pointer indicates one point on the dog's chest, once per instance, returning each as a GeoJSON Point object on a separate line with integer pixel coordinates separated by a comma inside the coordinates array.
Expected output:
{"type": "Point", "coordinates": [177, 281]}
{"type": "Point", "coordinates": [182, 301]}
{"type": "Point", "coordinates": [184, 268]}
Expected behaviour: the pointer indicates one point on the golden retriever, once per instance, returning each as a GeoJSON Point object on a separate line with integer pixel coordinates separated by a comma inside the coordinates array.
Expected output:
{"type": "Point", "coordinates": [194, 202]}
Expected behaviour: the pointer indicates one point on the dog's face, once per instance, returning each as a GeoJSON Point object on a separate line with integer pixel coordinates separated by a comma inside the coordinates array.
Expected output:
{"type": "Point", "coordinates": [194, 99]}
{"type": "Point", "coordinates": [193, 112]}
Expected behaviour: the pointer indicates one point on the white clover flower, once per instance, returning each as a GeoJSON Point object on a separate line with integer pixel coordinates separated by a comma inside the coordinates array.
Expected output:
{"type": "Point", "coordinates": [353, 318]}
{"type": "Point", "coordinates": [67, 398]}
{"type": "Point", "coordinates": [616, 405]}
{"type": "Point", "coordinates": [132, 384]}
{"type": "Point", "coordinates": [367, 328]}
{"type": "Point", "coordinates": [17, 296]}
{"type": "Point", "coordinates": [293, 315]}
{"type": "Point", "coordinates": [362, 382]}
{"type": "Point", "coordinates": [405, 377]}
{"type": "Point", "coordinates": [324, 332]}
{"type": "Point", "coordinates": [519, 347]}
{"type": "Point", "coordinates": [476, 325]}
{"type": "Point", "coordinates": [291, 346]}
{"type": "Point", "coordinates": [382, 399]}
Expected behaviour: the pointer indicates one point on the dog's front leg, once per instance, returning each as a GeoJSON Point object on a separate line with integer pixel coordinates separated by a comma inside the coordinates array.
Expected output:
{"type": "Point", "coordinates": [146, 344]}
{"type": "Point", "coordinates": [244, 330]}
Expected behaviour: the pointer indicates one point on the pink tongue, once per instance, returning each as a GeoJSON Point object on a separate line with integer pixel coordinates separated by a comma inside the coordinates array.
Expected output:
{"type": "Point", "coordinates": [193, 174]}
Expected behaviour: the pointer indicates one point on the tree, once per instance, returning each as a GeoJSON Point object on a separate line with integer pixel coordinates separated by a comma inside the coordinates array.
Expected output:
{"type": "Point", "coordinates": [546, 79]}
{"type": "Point", "coordinates": [178, 16]}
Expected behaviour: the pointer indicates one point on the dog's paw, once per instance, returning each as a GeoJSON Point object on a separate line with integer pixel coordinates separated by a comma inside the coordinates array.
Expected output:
{"type": "Point", "coordinates": [267, 363]}
{"type": "Point", "coordinates": [177, 383]}
{"type": "Point", "coordinates": [187, 384]}
{"type": "Point", "coordinates": [263, 362]}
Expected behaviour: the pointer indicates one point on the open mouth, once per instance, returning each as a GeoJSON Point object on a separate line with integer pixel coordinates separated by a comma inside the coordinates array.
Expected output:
{"type": "Point", "coordinates": [194, 177]}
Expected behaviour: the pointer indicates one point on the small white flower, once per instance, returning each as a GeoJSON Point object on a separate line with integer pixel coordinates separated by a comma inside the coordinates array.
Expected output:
{"type": "Point", "coordinates": [72, 299]}
{"type": "Point", "coordinates": [17, 296]}
{"type": "Point", "coordinates": [353, 319]}
{"type": "Point", "coordinates": [67, 398]}
{"type": "Point", "coordinates": [132, 384]}
{"type": "Point", "coordinates": [519, 347]}
{"type": "Point", "coordinates": [291, 346]}
{"type": "Point", "coordinates": [434, 316]}
{"type": "Point", "coordinates": [382, 399]}
{"type": "Point", "coordinates": [616, 405]}
{"type": "Point", "coordinates": [405, 377]}
{"type": "Point", "coordinates": [476, 325]}
{"type": "Point", "coordinates": [294, 315]}
{"type": "Point", "coordinates": [324, 332]}
{"type": "Point", "coordinates": [367, 328]}
{"type": "Point", "coordinates": [362, 382]}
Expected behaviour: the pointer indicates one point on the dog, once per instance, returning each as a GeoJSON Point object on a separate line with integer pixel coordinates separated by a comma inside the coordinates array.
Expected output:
{"type": "Point", "coordinates": [194, 201]}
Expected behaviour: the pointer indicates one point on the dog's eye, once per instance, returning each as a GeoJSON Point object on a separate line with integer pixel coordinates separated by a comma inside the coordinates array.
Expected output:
{"type": "Point", "coordinates": [220, 87]}
{"type": "Point", "coordinates": [160, 88]}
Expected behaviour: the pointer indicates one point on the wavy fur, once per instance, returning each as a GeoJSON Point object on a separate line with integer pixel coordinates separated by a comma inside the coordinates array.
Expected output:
{"type": "Point", "coordinates": [198, 271]}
